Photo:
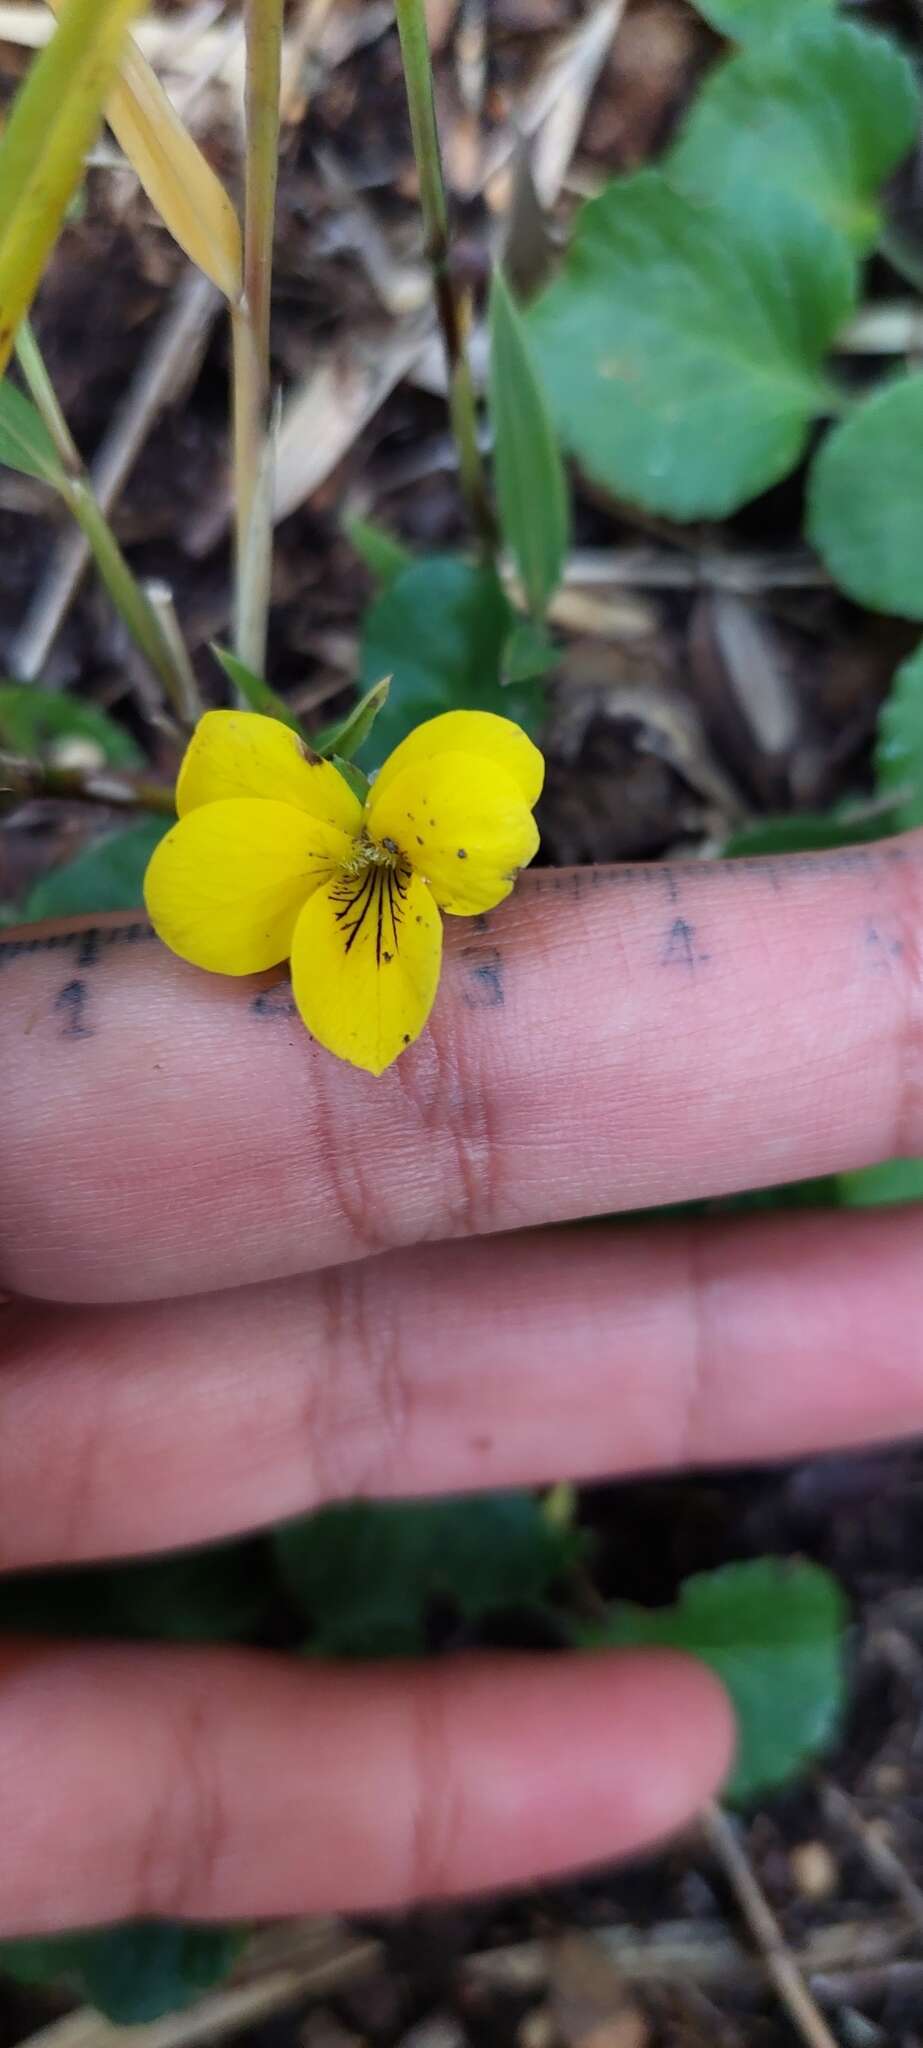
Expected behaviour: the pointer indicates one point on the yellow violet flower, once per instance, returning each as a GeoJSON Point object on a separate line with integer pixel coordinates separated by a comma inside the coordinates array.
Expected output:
{"type": "Point", "coordinates": [274, 858]}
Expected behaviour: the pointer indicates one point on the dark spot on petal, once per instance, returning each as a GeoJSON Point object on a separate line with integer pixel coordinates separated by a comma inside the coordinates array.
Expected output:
{"type": "Point", "coordinates": [419, 840]}
{"type": "Point", "coordinates": [388, 957]}
{"type": "Point", "coordinates": [462, 855]}
{"type": "Point", "coordinates": [433, 823]}
{"type": "Point", "coordinates": [407, 1038]}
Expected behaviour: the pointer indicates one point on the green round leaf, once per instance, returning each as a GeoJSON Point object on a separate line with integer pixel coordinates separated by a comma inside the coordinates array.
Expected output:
{"type": "Point", "coordinates": [132, 1973]}
{"type": "Point", "coordinates": [366, 1576]}
{"type": "Point", "coordinates": [865, 500]}
{"type": "Point", "coordinates": [107, 876]}
{"type": "Point", "coordinates": [32, 721]}
{"type": "Point", "coordinates": [140, 1971]}
{"type": "Point", "coordinates": [681, 348]}
{"type": "Point", "coordinates": [440, 631]}
{"type": "Point", "coordinates": [899, 746]}
{"type": "Point", "coordinates": [752, 21]}
{"type": "Point", "coordinates": [822, 112]}
{"type": "Point", "coordinates": [810, 832]}
{"type": "Point", "coordinates": [773, 1633]}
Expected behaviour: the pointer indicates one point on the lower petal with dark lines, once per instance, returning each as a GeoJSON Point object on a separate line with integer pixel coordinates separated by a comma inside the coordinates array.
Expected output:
{"type": "Point", "coordinates": [365, 964]}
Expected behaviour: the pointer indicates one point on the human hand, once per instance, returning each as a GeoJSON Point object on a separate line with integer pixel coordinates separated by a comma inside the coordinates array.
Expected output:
{"type": "Point", "coordinates": [608, 1040]}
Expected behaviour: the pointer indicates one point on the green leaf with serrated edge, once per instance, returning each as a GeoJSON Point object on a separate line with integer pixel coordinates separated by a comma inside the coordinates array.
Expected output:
{"type": "Point", "coordinates": [810, 832]}
{"type": "Point", "coordinates": [899, 744]}
{"type": "Point", "coordinates": [34, 722]}
{"type": "Point", "coordinates": [107, 876]}
{"type": "Point", "coordinates": [752, 21]}
{"type": "Point", "coordinates": [440, 632]}
{"type": "Point", "coordinates": [132, 1973]}
{"type": "Point", "coordinates": [345, 739]}
{"type": "Point", "coordinates": [822, 113]}
{"type": "Point", "coordinates": [874, 1187]}
{"type": "Point", "coordinates": [367, 1576]}
{"type": "Point", "coordinates": [385, 558]}
{"type": "Point", "coordinates": [773, 1633]}
{"type": "Point", "coordinates": [54, 120]}
{"type": "Point", "coordinates": [865, 500]}
{"type": "Point", "coordinates": [528, 471]}
{"type": "Point", "coordinates": [681, 348]}
{"type": "Point", "coordinates": [25, 443]}
{"type": "Point", "coordinates": [255, 691]}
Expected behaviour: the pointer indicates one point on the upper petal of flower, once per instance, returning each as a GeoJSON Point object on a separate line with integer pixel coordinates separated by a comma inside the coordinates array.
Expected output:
{"type": "Point", "coordinates": [480, 733]}
{"type": "Point", "coordinates": [365, 964]}
{"type": "Point", "coordinates": [462, 823]}
{"type": "Point", "coordinates": [224, 888]}
{"type": "Point", "coordinates": [243, 754]}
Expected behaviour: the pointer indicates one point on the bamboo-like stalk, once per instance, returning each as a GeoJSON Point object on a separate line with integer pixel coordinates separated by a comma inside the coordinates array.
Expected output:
{"type": "Point", "coordinates": [452, 305]}
{"type": "Point", "coordinates": [250, 334]}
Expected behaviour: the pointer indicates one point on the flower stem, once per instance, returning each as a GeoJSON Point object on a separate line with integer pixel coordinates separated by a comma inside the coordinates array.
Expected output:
{"type": "Point", "coordinates": [22, 779]}
{"type": "Point", "coordinates": [75, 490]}
{"type": "Point", "coordinates": [250, 334]}
{"type": "Point", "coordinates": [45, 398]}
{"type": "Point", "coordinates": [452, 306]}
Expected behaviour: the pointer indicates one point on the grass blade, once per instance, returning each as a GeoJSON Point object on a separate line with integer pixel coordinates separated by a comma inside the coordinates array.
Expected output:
{"type": "Point", "coordinates": [53, 122]}
{"type": "Point", "coordinates": [530, 479]}
{"type": "Point", "coordinates": [178, 179]}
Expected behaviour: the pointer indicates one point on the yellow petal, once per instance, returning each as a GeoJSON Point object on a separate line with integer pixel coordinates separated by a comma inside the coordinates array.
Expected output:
{"type": "Point", "coordinates": [224, 888]}
{"type": "Point", "coordinates": [470, 732]}
{"type": "Point", "coordinates": [462, 823]}
{"type": "Point", "coordinates": [241, 753]}
{"type": "Point", "coordinates": [365, 965]}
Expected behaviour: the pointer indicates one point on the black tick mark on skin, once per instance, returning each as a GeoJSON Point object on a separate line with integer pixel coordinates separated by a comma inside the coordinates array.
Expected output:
{"type": "Point", "coordinates": [484, 978]}
{"type": "Point", "coordinates": [88, 951]}
{"type": "Point", "coordinates": [70, 1004]}
{"type": "Point", "coordinates": [680, 948]}
{"type": "Point", "coordinates": [881, 947]}
{"type": "Point", "coordinates": [277, 1001]}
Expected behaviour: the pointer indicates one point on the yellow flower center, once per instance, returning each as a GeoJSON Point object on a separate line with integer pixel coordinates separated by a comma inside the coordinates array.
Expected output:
{"type": "Point", "coordinates": [370, 893]}
{"type": "Point", "coordinates": [377, 853]}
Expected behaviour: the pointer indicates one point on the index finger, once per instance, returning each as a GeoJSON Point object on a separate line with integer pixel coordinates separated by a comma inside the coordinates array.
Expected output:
{"type": "Point", "coordinates": [610, 1039]}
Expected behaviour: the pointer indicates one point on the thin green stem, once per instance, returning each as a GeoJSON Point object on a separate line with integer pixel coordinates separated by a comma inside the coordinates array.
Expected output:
{"type": "Point", "coordinates": [264, 74]}
{"type": "Point", "coordinates": [421, 103]}
{"type": "Point", "coordinates": [250, 334]}
{"type": "Point", "coordinates": [130, 600]}
{"type": "Point", "coordinates": [451, 306]}
{"type": "Point", "coordinates": [74, 488]}
{"type": "Point", "coordinates": [45, 398]}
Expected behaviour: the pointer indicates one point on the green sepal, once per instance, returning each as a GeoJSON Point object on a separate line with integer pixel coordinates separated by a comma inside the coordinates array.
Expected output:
{"type": "Point", "coordinates": [342, 741]}
{"type": "Point", "coordinates": [256, 692]}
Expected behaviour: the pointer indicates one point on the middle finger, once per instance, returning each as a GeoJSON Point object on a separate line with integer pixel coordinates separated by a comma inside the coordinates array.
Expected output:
{"type": "Point", "coordinates": [498, 1363]}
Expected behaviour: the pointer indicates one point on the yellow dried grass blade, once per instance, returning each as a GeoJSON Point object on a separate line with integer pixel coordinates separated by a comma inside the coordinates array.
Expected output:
{"type": "Point", "coordinates": [177, 177]}
{"type": "Point", "coordinates": [52, 125]}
